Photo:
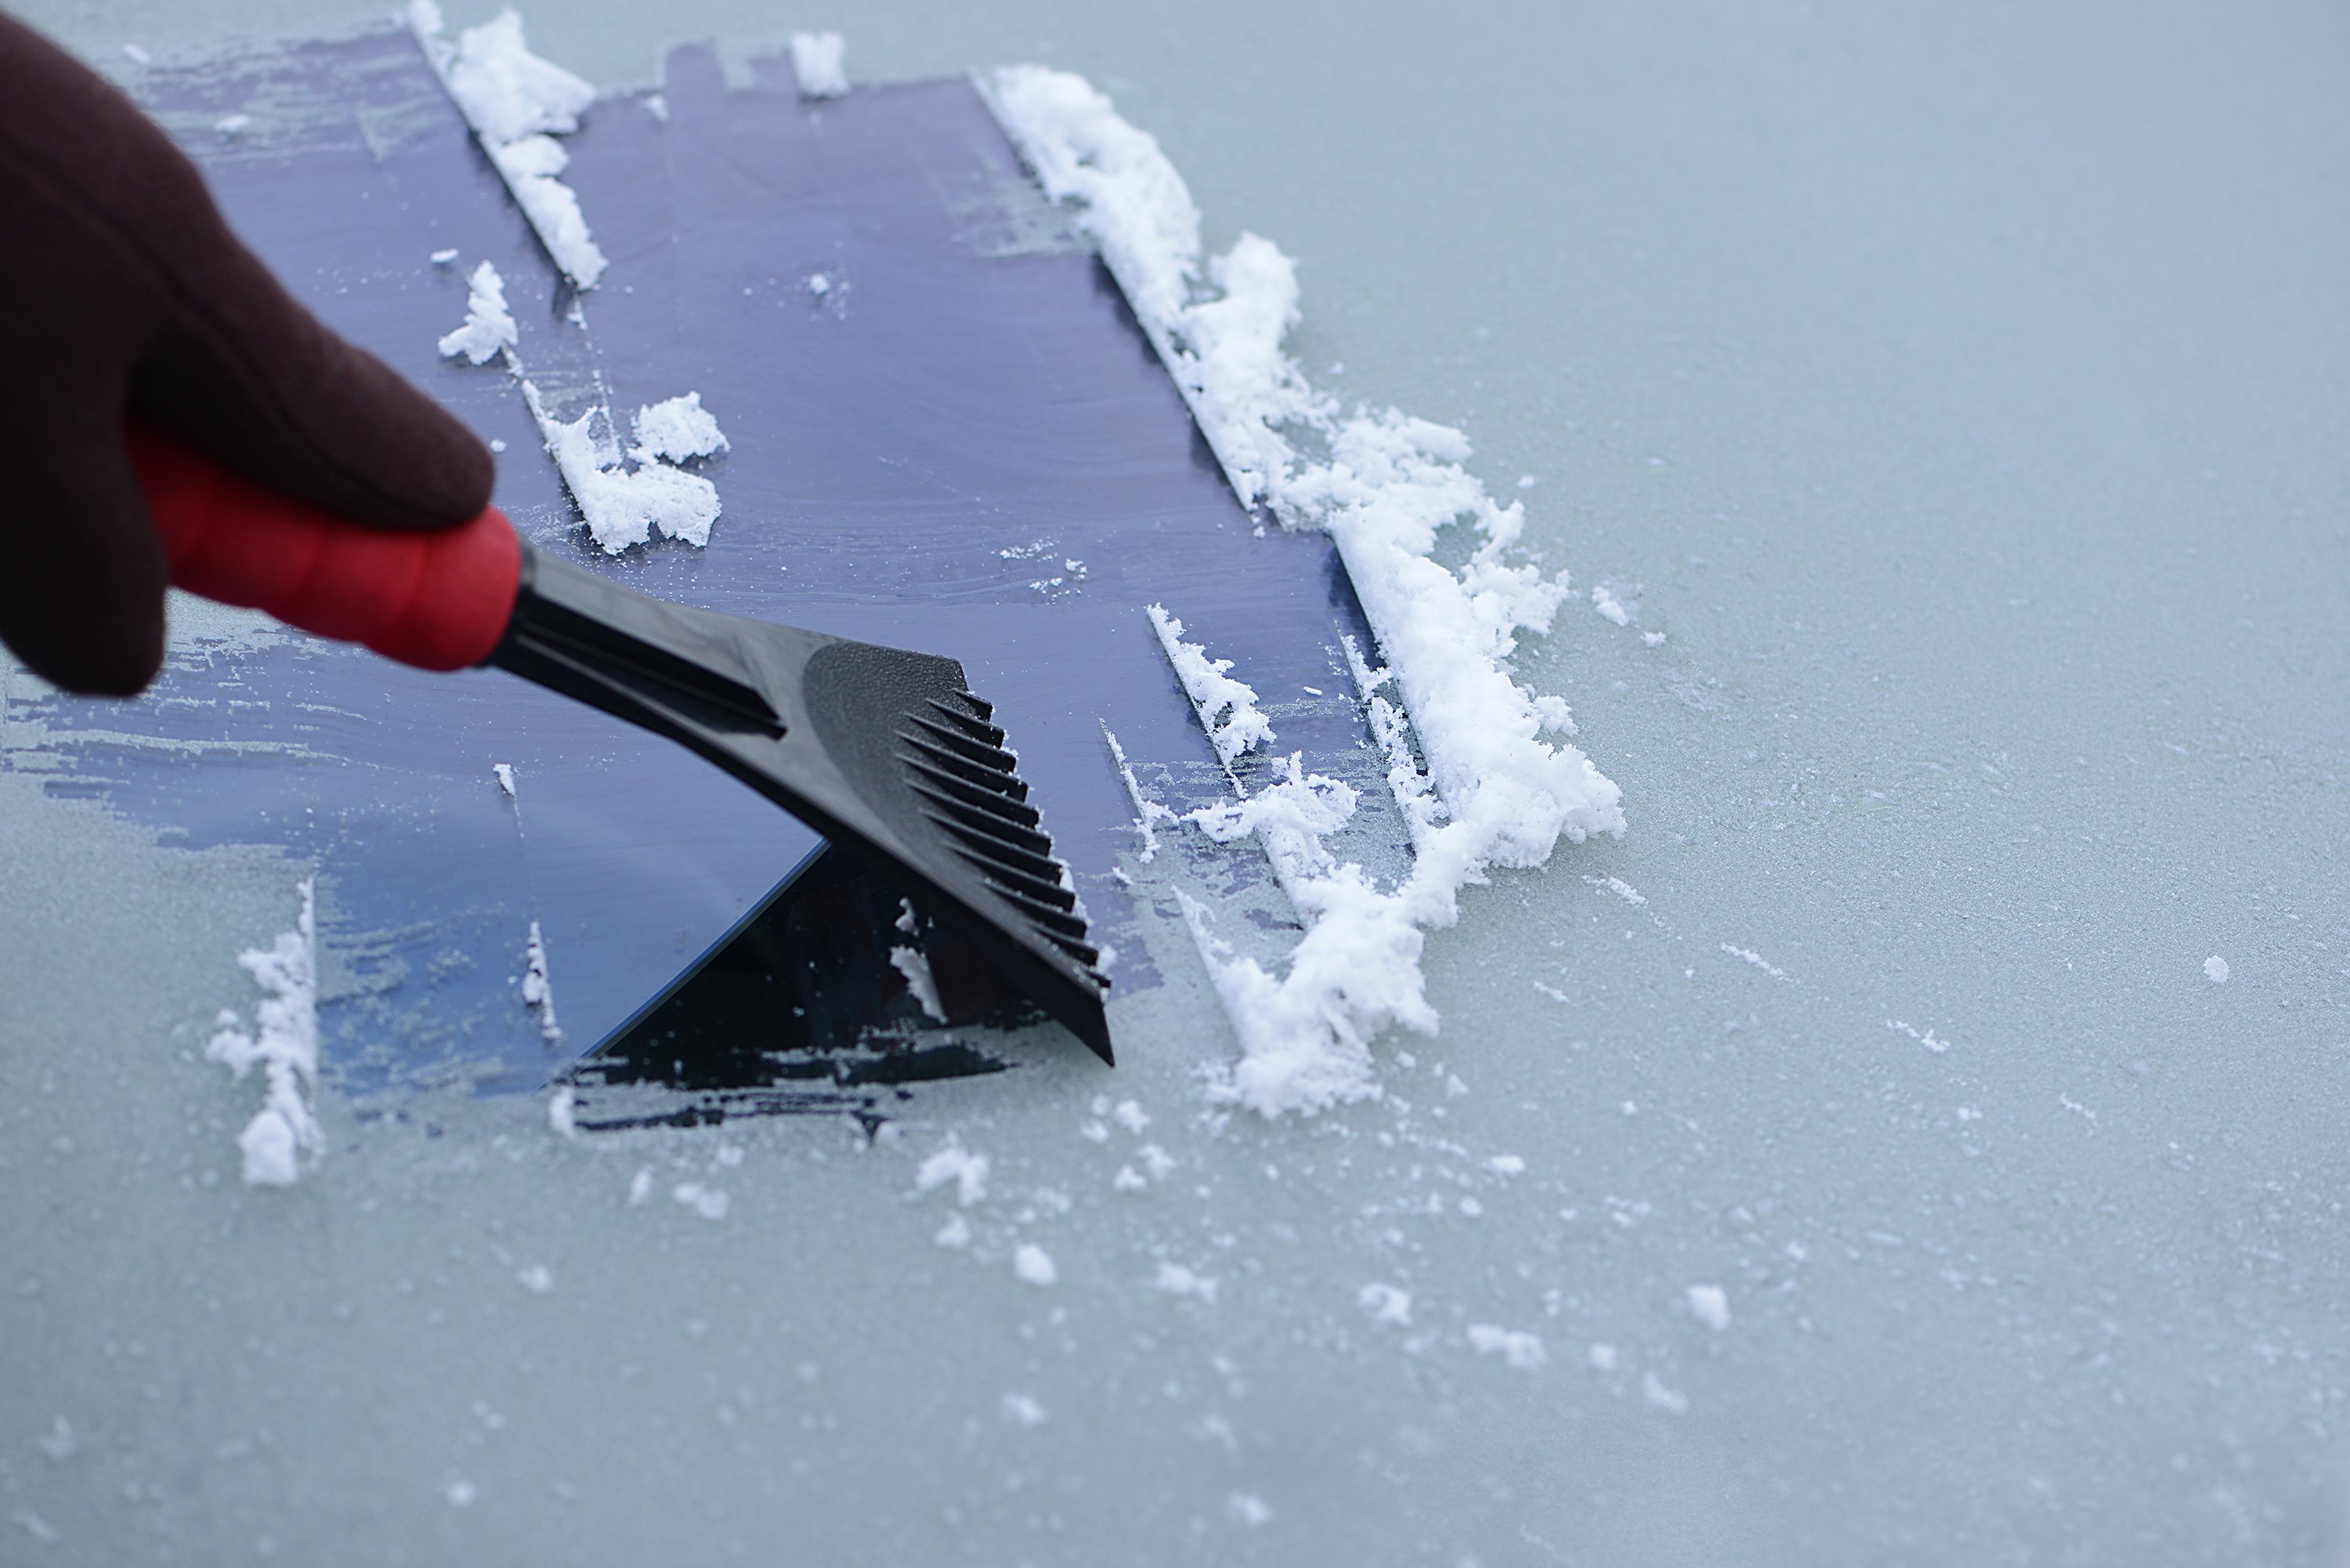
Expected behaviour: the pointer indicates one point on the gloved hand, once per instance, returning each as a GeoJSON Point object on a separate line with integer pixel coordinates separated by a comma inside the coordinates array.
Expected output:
{"type": "Point", "coordinates": [123, 293]}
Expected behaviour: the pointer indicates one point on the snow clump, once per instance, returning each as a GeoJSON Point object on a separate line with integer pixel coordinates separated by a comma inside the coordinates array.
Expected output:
{"type": "Point", "coordinates": [676, 430]}
{"type": "Point", "coordinates": [489, 327]}
{"type": "Point", "coordinates": [623, 506]}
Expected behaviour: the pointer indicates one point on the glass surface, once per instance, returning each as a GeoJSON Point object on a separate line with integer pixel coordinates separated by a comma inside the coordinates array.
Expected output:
{"type": "Point", "coordinates": [1960, 392]}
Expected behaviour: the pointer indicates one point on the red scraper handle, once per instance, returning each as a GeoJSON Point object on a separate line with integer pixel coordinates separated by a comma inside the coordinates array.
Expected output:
{"type": "Point", "coordinates": [437, 600]}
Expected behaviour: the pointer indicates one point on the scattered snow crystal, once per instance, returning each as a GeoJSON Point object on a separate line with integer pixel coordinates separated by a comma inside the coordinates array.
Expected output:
{"type": "Point", "coordinates": [1929, 1040]}
{"type": "Point", "coordinates": [1177, 1281]}
{"type": "Point", "coordinates": [1022, 1410]}
{"type": "Point", "coordinates": [489, 325]}
{"type": "Point", "coordinates": [2215, 969]}
{"type": "Point", "coordinates": [517, 103]}
{"type": "Point", "coordinates": [816, 62]}
{"type": "Point", "coordinates": [1749, 955]}
{"type": "Point", "coordinates": [1620, 887]}
{"type": "Point", "coordinates": [285, 1041]}
{"type": "Point", "coordinates": [1388, 1304]}
{"type": "Point", "coordinates": [1523, 1351]}
{"type": "Point", "coordinates": [955, 1163]}
{"type": "Point", "coordinates": [1659, 1397]}
{"type": "Point", "coordinates": [1603, 600]}
{"type": "Point", "coordinates": [1033, 1264]}
{"type": "Point", "coordinates": [1250, 1510]}
{"type": "Point", "coordinates": [709, 1202]}
{"type": "Point", "coordinates": [1383, 485]}
{"type": "Point", "coordinates": [1710, 1305]}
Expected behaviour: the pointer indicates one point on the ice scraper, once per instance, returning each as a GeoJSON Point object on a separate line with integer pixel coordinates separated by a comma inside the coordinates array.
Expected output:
{"type": "Point", "coordinates": [884, 752]}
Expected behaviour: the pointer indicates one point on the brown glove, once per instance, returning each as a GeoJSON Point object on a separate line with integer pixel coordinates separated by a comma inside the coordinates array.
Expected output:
{"type": "Point", "coordinates": [123, 293]}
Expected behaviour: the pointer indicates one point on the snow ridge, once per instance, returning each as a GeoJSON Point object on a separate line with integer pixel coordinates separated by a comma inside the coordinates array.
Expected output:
{"type": "Point", "coordinates": [910, 962]}
{"type": "Point", "coordinates": [537, 989]}
{"type": "Point", "coordinates": [1227, 707]}
{"type": "Point", "coordinates": [284, 1043]}
{"type": "Point", "coordinates": [518, 104]}
{"type": "Point", "coordinates": [1146, 811]}
{"type": "Point", "coordinates": [1382, 484]}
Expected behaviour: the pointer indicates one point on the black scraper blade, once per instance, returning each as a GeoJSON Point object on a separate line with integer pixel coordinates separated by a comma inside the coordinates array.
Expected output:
{"type": "Point", "coordinates": [886, 752]}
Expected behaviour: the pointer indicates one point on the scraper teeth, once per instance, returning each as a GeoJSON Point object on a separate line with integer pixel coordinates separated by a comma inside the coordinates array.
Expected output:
{"type": "Point", "coordinates": [938, 784]}
{"type": "Point", "coordinates": [1056, 925]}
{"type": "Point", "coordinates": [1009, 820]}
{"type": "Point", "coordinates": [970, 789]}
{"type": "Point", "coordinates": [1088, 957]}
{"type": "Point", "coordinates": [1027, 885]}
{"type": "Point", "coordinates": [978, 729]}
{"type": "Point", "coordinates": [1031, 888]}
{"type": "Point", "coordinates": [982, 753]}
{"type": "Point", "coordinates": [984, 825]}
{"type": "Point", "coordinates": [1003, 852]}
{"type": "Point", "coordinates": [969, 772]}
